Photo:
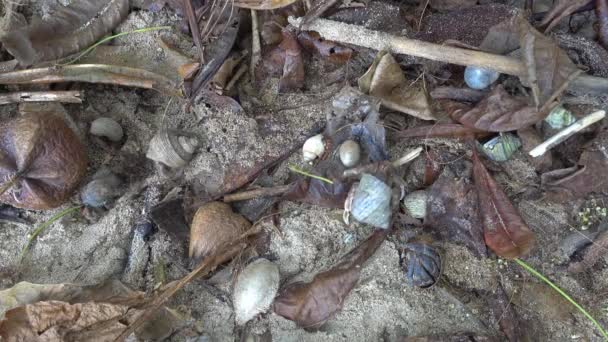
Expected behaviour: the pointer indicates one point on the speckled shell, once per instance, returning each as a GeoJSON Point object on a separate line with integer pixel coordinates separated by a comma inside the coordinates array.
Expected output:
{"type": "Point", "coordinates": [479, 78]}
{"type": "Point", "coordinates": [423, 264]}
{"type": "Point", "coordinates": [214, 225]}
{"type": "Point", "coordinates": [371, 203]}
{"type": "Point", "coordinates": [171, 148]}
{"type": "Point", "coordinates": [350, 153]}
{"type": "Point", "coordinates": [255, 289]}
{"type": "Point", "coordinates": [106, 127]}
{"type": "Point", "coordinates": [415, 204]}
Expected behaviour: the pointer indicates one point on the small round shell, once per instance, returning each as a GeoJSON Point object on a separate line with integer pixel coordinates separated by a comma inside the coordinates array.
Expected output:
{"type": "Point", "coordinates": [350, 153]}
{"type": "Point", "coordinates": [479, 78]}
{"type": "Point", "coordinates": [255, 289]}
{"type": "Point", "coordinates": [106, 127]}
{"type": "Point", "coordinates": [172, 148]}
{"type": "Point", "coordinates": [415, 204]}
{"type": "Point", "coordinates": [313, 148]}
{"type": "Point", "coordinates": [102, 190]}
{"type": "Point", "coordinates": [371, 203]}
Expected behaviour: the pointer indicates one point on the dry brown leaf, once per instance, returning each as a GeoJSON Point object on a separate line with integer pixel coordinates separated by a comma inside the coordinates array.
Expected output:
{"type": "Point", "coordinates": [263, 4]}
{"type": "Point", "coordinates": [505, 232]}
{"type": "Point", "coordinates": [335, 53]}
{"type": "Point", "coordinates": [286, 59]}
{"type": "Point", "coordinates": [560, 10]}
{"type": "Point", "coordinates": [385, 80]}
{"type": "Point", "coordinates": [310, 305]}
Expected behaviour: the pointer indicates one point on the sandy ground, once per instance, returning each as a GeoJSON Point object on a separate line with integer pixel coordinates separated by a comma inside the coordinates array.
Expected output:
{"type": "Point", "coordinates": [382, 307]}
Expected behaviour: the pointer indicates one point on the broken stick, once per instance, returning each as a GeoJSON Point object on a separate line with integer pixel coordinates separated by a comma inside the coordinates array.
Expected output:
{"type": "Point", "coordinates": [68, 96]}
{"type": "Point", "coordinates": [377, 40]}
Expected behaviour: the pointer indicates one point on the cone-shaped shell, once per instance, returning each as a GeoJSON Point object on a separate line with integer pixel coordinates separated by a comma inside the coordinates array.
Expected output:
{"type": "Point", "coordinates": [171, 148]}
{"type": "Point", "coordinates": [255, 289]}
{"type": "Point", "coordinates": [371, 203]}
{"type": "Point", "coordinates": [214, 225]}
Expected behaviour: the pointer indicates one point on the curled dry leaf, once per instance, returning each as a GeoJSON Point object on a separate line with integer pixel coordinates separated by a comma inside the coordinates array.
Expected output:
{"type": "Point", "coordinates": [385, 80]}
{"type": "Point", "coordinates": [312, 41]}
{"type": "Point", "coordinates": [310, 305]}
{"type": "Point", "coordinates": [68, 30]}
{"type": "Point", "coordinates": [452, 212]}
{"type": "Point", "coordinates": [286, 60]}
{"type": "Point", "coordinates": [262, 4]}
{"type": "Point", "coordinates": [504, 231]}
{"type": "Point", "coordinates": [498, 112]}
{"type": "Point", "coordinates": [560, 10]}
{"type": "Point", "coordinates": [214, 225]}
{"type": "Point", "coordinates": [42, 161]}
{"type": "Point", "coordinates": [593, 254]}
{"type": "Point", "coordinates": [577, 182]}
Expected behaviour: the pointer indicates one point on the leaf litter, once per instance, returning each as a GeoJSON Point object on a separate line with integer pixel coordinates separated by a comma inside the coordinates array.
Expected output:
{"type": "Point", "coordinates": [247, 148]}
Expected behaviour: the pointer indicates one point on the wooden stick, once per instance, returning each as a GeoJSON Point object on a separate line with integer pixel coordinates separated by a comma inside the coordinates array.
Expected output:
{"type": "Point", "coordinates": [360, 36]}
{"type": "Point", "coordinates": [256, 46]}
{"type": "Point", "coordinates": [567, 133]}
{"type": "Point", "coordinates": [262, 192]}
{"type": "Point", "coordinates": [68, 96]}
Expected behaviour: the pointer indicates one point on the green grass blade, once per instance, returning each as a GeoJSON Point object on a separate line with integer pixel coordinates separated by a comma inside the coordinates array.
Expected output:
{"type": "Point", "coordinates": [563, 294]}
{"type": "Point", "coordinates": [106, 39]}
{"type": "Point", "coordinates": [43, 226]}
{"type": "Point", "coordinates": [308, 174]}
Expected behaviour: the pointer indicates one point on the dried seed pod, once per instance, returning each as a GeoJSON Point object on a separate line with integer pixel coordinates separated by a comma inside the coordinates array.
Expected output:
{"type": "Point", "coordinates": [106, 127]}
{"type": "Point", "coordinates": [313, 148]}
{"type": "Point", "coordinates": [350, 153]}
{"type": "Point", "coordinates": [415, 204]}
{"type": "Point", "coordinates": [423, 264]}
{"type": "Point", "coordinates": [102, 190]}
{"type": "Point", "coordinates": [255, 289]}
{"type": "Point", "coordinates": [214, 225]}
{"type": "Point", "coordinates": [371, 203]}
{"type": "Point", "coordinates": [41, 161]}
{"type": "Point", "coordinates": [479, 78]}
{"type": "Point", "coordinates": [172, 148]}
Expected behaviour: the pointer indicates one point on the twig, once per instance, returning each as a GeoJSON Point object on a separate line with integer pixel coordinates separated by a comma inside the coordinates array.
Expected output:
{"type": "Point", "coordinates": [308, 174]}
{"type": "Point", "coordinates": [193, 23]}
{"type": "Point", "coordinates": [256, 47]}
{"type": "Point", "coordinates": [68, 96]}
{"type": "Point", "coordinates": [374, 167]}
{"type": "Point", "coordinates": [93, 73]}
{"type": "Point", "coordinates": [262, 192]}
{"type": "Point", "coordinates": [237, 75]}
{"type": "Point", "coordinates": [408, 157]}
{"type": "Point", "coordinates": [567, 133]}
{"type": "Point", "coordinates": [360, 36]}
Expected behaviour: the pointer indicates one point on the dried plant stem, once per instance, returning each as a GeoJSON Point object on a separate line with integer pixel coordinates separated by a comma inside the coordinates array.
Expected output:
{"type": "Point", "coordinates": [68, 96]}
{"type": "Point", "coordinates": [256, 47]}
{"type": "Point", "coordinates": [262, 192]}
{"type": "Point", "coordinates": [408, 157]}
{"type": "Point", "coordinates": [94, 73]}
{"type": "Point", "coordinates": [308, 174]}
{"type": "Point", "coordinates": [237, 75]}
{"type": "Point", "coordinates": [9, 183]}
{"type": "Point", "coordinates": [360, 36]}
{"type": "Point", "coordinates": [567, 133]}
{"type": "Point", "coordinates": [561, 292]}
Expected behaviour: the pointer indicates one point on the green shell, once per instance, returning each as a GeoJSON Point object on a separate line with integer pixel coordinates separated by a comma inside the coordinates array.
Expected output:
{"type": "Point", "coordinates": [502, 147]}
{"type": "Point", "coordinates": [559, 118]}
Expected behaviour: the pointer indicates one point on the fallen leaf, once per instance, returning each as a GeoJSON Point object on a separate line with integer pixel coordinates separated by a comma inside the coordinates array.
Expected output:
{"type": "Point", "coordinates": [498, 112]}
{"type": "Point", "coordinates": [312, 41]}
{"type": "Point", "coordinates": [452, 212]}
{"type": "Point", "coordinates": [505, 232]}
{"type": "Point", "coordinates": [601, 11]}
{"type": "Point", "coordinates": [310, 305]}
{"type": "Point", "coordinates": [593, 254]}
{"type": "Point", "coordinates": [560, 10]}
{"type": "Point", "coordinates": [577, 182]}
{"type": "Point", "coordinates": [286, 59]}
{"type": "Point", "coordinates": [318, 9]}
{"type": "Point", "coordinates": [440, 130]}
{"type": "Point", "coordinates": [262, 4]}
{"type": "Point", "coordinates": [529, 140]}
{"type": "Point", "coordinates": [449, 5]}
{"type": "Point", "coordinates": [458, 94]}
{"type": "Point", "coordinates": [318, 192]}
{"type": "Point", "coordinates": [549, 69]}
{"type": "Point", "coordinates": [385, 80]}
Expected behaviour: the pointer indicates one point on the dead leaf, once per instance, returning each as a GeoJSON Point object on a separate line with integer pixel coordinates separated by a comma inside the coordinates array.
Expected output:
{"type": "Point", "coordinates": [529, 140]}
{"type": "Point", "coordinates": [225, 72]}
{"type": "Point", "coordinates": [452, 212]}
{"type": "Point", "coordinates": [498, 112]}
{"type": "Point", "coordinates": [593, 254]}
{"type": "Point", "coordinates": [286, 58]}
{"type": "Point", "coordinates": [572, 183]}
{"type": "Point", "coordinates": [560, 10]}
{"type": "Point", "coordinates": [601, 11]}
{"type": "Point", "coordinates": [441, 130]}
{"type": "Point", "coordinates": [310, 305]}
{"type": "Point", "coordinates": [385, 80]}
{"type": "Point", "coordinates": [549, 69]}
{"type": "Point", "coordinates": [318, 192]}
{"type": "Point", "coordinates": [449, 5]}
{"type": "Point", "coordinates": [263, 4]}
{"type": "Point", "coordinates": [312, 41]}
{"type": "Point", "coordinates": [505, 232]}
{"type": "Point", "coordinates": [318, 9]}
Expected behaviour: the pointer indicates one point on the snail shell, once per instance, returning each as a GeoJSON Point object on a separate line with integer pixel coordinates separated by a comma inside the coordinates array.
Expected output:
{"type": "Point", "coordinates": [559, 118]}
{"type": "Point", "coordinates": [99, 192]}
{"type": "Point", "coordinates": [350, 153]}
{"type": "Point", "coordinates": [415, 204]}
{"type": "Point", "coordinates": [172, 148]}
{"type": "Point", "coordinates": [371, 203]}
{"type": "Point", "coordinates": [479, 78]}
{"type": "Point", "coordinates": [423, 264]}
{"type": "Point", "coordinates": [501, 147]}
{"type": "Point", "coordinates": [214, 225]}
{"type": "Point", "coordinates": [313, 148]}
{"type": "Point", "coordinates": [106, 127]}
{"type": "Point", "coordinates": [255, 289]}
